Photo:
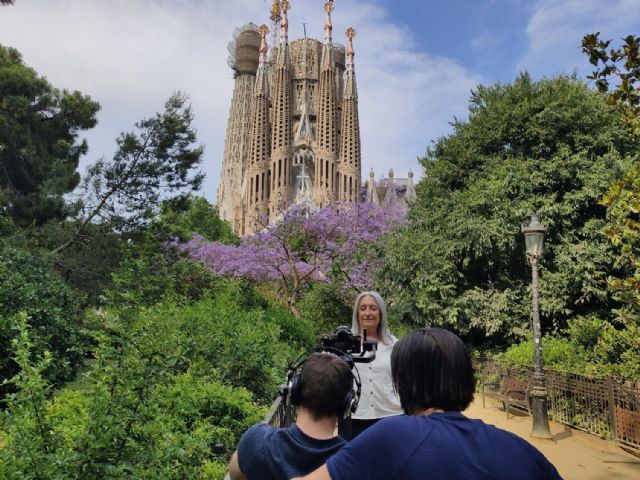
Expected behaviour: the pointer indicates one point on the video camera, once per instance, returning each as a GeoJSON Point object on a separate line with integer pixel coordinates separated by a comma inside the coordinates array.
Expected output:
{"type": "Point", "coordinates": [342, 343]}
{"type": "Point", "coordinates": [352, 348]}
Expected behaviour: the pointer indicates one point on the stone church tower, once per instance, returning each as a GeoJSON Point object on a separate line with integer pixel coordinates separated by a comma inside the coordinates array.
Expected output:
{"type": "Point", "coordinates": [293, 135]}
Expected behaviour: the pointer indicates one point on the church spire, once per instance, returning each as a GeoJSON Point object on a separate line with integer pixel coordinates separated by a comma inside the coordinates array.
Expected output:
{"type": "Point", "coordinates": [326, 175]}
{"type": "Point", "coordinates": [350, 149]}
{"type": "Point", "coordinates": [244, 60]}
{"type": "Point", "coordinates": [283, 48]}
{"type": "Point", "coordinates": [305, 132]}
{"type": "Point", "coordinates": [350, 33]}
{"type": "Point", "coordinates": [391, 196]}
{"type": "Point", "coordinates": [327, 48]}
{"type": "Point", "coordinates": [256, 182]}
{"type": "Point", "coordinates": [275, 18]}
{"type": "Point", "coordinates": [262, 77]}
{"type": "Point", "coordinates": [281, 164]}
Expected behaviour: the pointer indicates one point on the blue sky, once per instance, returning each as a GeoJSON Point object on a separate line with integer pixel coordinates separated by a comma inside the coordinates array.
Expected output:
{"type": "Point", "coordinates": [416, 61]}
{"type": "Point", "coordinates": [485, 36]}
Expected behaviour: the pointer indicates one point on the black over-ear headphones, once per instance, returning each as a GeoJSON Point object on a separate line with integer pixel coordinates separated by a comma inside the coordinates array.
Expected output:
{"type": "Point", "coordinates": [293, 388]}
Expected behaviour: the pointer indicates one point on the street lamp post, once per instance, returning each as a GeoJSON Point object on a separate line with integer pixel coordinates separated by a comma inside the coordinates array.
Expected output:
{"type": "Point", "coordinates": [534, 239]}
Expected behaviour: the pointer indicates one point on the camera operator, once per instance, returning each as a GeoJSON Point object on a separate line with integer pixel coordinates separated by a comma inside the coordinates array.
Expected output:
{"type": "Point", "coordinates": [378, 399]}
{"type": "Point", "coordinates": [433, 375]}
{"type": "Point", "coordinates": [323, 391]}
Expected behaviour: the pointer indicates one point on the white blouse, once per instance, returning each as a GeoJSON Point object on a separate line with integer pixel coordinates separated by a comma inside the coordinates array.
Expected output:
{"type": "Point", "coordinates": [377, 400]}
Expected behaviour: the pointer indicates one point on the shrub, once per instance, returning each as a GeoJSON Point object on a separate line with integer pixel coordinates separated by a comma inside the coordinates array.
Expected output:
{"type": "Point", "coordinates": [136, 416]}
{"type": "Point", "coordinates": [324, 306]}
{"type": "Point", "coordinates": [299, 333]}
{"type": "Point", "coordinates": [592, 347]}
{"type": "Point", "coordinates": [28, 285]}
{"type": "Point", "coordinates": [557, 353]}
{"type": "Point", "coordinates": [240, 343]}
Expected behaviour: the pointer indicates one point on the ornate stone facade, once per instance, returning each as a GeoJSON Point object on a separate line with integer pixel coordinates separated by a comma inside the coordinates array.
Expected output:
{"type": "Point", "coordinates": [293, 135]}
{"type": "Point", "coordinates": [392, 190]}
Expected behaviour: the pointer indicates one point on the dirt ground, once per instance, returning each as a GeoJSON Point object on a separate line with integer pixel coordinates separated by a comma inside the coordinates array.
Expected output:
{"type": "Point", "coordinates": [576, 455]}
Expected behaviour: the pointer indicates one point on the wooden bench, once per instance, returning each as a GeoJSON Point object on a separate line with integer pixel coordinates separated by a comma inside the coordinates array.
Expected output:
{"type": "Point", "coordinates": [510, 391]}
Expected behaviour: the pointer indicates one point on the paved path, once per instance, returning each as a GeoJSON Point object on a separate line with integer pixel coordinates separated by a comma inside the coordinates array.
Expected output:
{"type": "Point", "coordinates": [576, 455]}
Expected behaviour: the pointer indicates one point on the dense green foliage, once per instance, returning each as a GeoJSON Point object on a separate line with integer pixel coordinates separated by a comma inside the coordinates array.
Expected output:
{"type": "Point", "coordinates": [168, 382]}
{"type": "Point", "coordinates": [87, 264]}
{"type": "Point", "coordinates": [623, 228]}
{"type": "Point", "coordinates": [52, 308]}
{"type": "Point", "coordinates": [590, 347]}
{"type": "Point", "coordinates": [39, 148]}
{"type": "Point", "coordinates": [325, 306]}
{"type": "Point", "coordinates": [551, 146]}
{"type": "Point", "coordinates": [623, 199]}
{"type": "Point", "coordinates": [152, 269]}
{"type": "Point", "coordinates": [183, 215]}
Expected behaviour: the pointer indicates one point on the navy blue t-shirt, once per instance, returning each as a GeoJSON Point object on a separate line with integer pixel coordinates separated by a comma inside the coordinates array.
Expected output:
{"type": "Point", "coordinates": [266, 453]}
{"type": "Point", "coordinates": [438, 446]}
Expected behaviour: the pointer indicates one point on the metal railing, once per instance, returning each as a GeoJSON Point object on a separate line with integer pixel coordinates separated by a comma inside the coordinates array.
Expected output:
{"type": "Point", "coordinates": [281, 414]}
{"type": "Point", "coordinates": [606, 407]}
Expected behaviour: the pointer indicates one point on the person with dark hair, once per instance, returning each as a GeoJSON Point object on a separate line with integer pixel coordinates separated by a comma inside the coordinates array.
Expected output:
{"type": "Point", "coordinates": [378, 400]}
{"type": "Point", "coordinates": [432, 373]}
{"type": "Point", "coordinates": [323, 392]}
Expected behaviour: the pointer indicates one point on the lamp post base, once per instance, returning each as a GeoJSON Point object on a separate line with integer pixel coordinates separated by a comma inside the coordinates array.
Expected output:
{"type": "Point", "coordinates": [540, 427]}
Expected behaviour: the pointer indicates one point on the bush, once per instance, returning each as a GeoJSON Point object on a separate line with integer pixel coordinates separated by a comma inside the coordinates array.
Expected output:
{"type": "Point", "coordinates": [230, 330]}
{"type": "Point", "coordinates": [6, 224]}
{"type": "Point", "coordinates": [145, 278]}
{"type": "Point", "coordinates": [153, 269]}
{"type": "Point", "coordinates": [168, 382]}
{"type": "Point", "coordinates": [618, 352]}
{"type": "Point", "coordinates": [557, 353]}
{"type": "Point", "coordinates": [28, 285]}
{"type": "Point", "coordinates": [183, 215]}
{"type": "Point", "coordinates": [241, 344]}
{"type": "Point", "coordinates": [592, 347]}
{"type": "Point", "coordinates": [299, 333]}
{"type": "Point", "coordinates": [135, 416]}
{"type": "Point", "coordinates": [325, 307]}
{"type": "Point", "coordinates": [191, 279]}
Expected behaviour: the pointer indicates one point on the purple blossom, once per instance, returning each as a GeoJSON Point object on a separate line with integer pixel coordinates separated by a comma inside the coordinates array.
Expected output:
{"type": "Point", "coordinates": [329, 244]}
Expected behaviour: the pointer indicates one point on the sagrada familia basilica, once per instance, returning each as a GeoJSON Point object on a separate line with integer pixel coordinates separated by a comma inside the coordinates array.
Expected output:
{"type": "Point", "coordinates": [293, 135]}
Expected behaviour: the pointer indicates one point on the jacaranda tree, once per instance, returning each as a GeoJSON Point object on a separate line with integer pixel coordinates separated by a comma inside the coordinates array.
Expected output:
{"type": "Point", "coordinates": [330, 244]}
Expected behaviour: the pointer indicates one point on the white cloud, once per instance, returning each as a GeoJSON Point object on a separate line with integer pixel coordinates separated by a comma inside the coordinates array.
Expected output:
{"type": "Point", "coordinates": [556, 28]}
{"type": "Point", "coordinates": [131, 55]}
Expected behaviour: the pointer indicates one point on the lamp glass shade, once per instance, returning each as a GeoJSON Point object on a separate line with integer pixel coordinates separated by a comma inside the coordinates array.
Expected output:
{"type": "Point", "coordinates": [533, 242]}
